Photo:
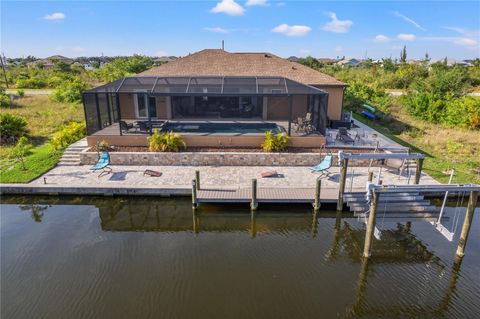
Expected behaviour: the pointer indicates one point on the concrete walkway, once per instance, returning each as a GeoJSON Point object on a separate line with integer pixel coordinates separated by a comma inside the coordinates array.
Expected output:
{"type": "Point", "coordinates": [178, 179]}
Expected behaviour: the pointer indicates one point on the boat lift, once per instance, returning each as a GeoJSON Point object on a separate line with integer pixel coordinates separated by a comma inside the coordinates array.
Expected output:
{"type": "Point", "coordinates": [378, 190]}
{"type": "Point", "coordinates": [344, 158]}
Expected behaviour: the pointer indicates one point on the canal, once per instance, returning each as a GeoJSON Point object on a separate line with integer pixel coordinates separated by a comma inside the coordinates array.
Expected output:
{"type": "Point", "coordinates": [100, 257]}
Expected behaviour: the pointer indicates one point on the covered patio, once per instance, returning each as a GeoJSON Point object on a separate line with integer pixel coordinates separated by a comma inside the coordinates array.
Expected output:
{"type": "Point", "coordinates": [126, 111]}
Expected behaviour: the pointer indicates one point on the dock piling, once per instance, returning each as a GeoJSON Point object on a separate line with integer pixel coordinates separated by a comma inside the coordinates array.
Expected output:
{"type": "Point", "coordinates": [418, 171]}
{"type": "Point", "coordinates": [341, 190]}
{"type": "Point", "coordinates": [194, 195]}
{"type": "Point", "coordinates": [370, 176]}
{"type": "Point", "coordinates": [254, 202]}
{"type": "Point", "coordinates": [370, 225]}
{"type": "Point", "coordinates": [467, 223]}
{"type": "Point", "coordinates": [197, 179]}
{"type": "Point", "coordinates": [316, 200]}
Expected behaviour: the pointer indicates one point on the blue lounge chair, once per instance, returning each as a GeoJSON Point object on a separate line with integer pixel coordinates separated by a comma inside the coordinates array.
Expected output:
{"type": "Point", "coordinates": [324, 165]}
{"type": "Point", "coordinates": [102, 164]}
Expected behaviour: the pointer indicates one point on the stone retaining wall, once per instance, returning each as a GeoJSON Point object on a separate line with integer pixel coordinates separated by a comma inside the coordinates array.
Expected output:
{"type": "Point", "coordinates": [212, 159]}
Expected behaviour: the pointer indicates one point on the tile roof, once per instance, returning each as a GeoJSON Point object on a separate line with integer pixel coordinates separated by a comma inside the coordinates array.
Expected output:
{"type": "Point", "coordinates": [221, 63]}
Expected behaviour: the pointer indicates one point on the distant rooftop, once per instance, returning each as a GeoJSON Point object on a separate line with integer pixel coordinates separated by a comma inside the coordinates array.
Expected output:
{"type": "Point", "coordinates": [216, 62]}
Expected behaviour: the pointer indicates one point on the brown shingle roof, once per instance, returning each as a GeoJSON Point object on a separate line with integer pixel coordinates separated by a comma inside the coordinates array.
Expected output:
{"type": "Point", "coordinates": [222, 63]}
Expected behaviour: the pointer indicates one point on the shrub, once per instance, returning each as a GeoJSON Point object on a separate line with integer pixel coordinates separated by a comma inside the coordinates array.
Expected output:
{"type": "Point", "coordinates": [464, 112]}
{"type": "Point", "coordinates": [21, 92]}
{"type": "Point", "coordinates": [12, 127]}
{"type": "Point", "coordinates": [68, 134]}
{"type": "Point", "coordinates": [69, 91]}
{"type": "Point", "coordinates": [20, 150]}
{"type": "Point", "coordinates": [103, 146]}
{"type": "Point", "coordinates": [274, 143]}
{"type": "Point", "coordinates": [165, 142]}
{"type": "Point", "coordinates": [4, 100]}
{"type": "Point", "coordinates": [30, 83]}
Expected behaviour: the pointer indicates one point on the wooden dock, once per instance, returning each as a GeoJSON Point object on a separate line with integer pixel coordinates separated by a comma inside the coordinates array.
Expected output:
{"type": "Point", "coordinates": [266, 195]}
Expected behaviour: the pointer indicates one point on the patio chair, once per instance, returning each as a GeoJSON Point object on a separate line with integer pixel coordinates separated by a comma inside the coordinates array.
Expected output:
{"type": "Point", "coordinates": [142, 126]}
{"type": "Point", "coordinates": [343, 136]}
{"type": "Point", "coordinates": [102, 164]}
{"type": "Point", "coordinates": [307, 123]}
{"type": "Point", "coordinates": [125, 127]}
{"type": "Point", "coordinates": [323, 166]}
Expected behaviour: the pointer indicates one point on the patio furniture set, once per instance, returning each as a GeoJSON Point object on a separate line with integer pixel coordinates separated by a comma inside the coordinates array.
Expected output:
{"type": "Point", "coordinates": [304, 124]}
{"type": "Point", "coordinates": [139, 126]}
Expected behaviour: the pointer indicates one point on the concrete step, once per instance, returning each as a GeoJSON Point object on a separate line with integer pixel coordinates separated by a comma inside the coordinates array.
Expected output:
{"type": "Point", "coordinates": [62, 163]}
{"type": "Point", "coordinates": [70, 156]}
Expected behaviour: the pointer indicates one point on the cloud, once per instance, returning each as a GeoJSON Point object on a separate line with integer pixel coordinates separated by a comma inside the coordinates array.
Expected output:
{"type": "Point", "coordinates": [407, 37]}
{"type": "Point", "coordinates": [256, 3]}
{"type": "Point", "coordinates": [381, 38]}
{"type": "Point", "coordinates": [216, 30]}
{"type": "Point", "coordinates": [336, 25]}
{"type": "Point", "coordinates": [55, 16]}
{"type": "Point", "coordinates": [467, 42]}
{"type": "Point", "coordinates": [229, 7]}
{"type": "Point", "coordinates": [338, 49]}
{"type": "Point", "coordinates": [161, 53]}
{"type": "Point", "coordinates": [407, 19]}
{"type": "Point", "coordinates": [305, 51]}
{"type": "Point", "coordinates": [281, 4]}
{"type": "Point", "coordinates": [293, 30]}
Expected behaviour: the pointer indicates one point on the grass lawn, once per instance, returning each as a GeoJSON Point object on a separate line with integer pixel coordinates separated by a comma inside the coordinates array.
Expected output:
{"type": "Point", "coordinates": [44, 117]}
{"type": "Point", "coordinates": [444, 147]}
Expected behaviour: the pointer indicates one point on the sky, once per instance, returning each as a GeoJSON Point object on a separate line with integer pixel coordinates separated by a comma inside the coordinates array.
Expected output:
{"type": "Point", "coordinates": [359, 29]}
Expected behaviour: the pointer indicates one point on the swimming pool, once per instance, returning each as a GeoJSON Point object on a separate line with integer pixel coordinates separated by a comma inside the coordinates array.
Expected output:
{"type": "Point", "coordinates": [222, 127]}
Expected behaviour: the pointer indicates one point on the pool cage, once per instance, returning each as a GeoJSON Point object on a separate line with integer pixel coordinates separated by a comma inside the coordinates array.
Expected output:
{"type": "Point", "coordinates": [102, 104]}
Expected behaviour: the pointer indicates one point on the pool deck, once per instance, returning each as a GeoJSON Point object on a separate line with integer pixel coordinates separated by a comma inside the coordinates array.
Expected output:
{"type": "Point", "coordinates": [177, 180]}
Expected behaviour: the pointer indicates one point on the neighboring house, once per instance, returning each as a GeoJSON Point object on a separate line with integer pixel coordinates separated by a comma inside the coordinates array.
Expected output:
{"type": "Point", "coordinates": [88, 66]}
{"type": "Point", "coordinates": [215, 85]}
{"type": "Point", "coordinates": [327, 60]}
{"type": "Point", "coordinates": [349, 62]}
{"type": "Point", "coordinates": [49, 62]}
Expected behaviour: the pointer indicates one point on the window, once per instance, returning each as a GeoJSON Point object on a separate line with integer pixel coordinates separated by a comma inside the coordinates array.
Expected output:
{"type": "Point", "coordinates": [141, 105]}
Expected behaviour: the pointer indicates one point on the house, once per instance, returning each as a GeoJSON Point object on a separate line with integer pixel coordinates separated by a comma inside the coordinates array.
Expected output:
{"type": "Point", "coordinates": [217, 97]}
{"type": "Point", "coordinates": [327, 60]}
{"type": "Point", "coordinates": [50, 62]}
{"type": "Point", "coordinates": [349, 62]}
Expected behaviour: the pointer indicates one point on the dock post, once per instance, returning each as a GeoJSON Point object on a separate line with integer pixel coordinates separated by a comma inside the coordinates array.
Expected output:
{"type": "Point", "coordinates": [418, 171]}
{"type": "Point", "coordinates": [197, 179]}
{"type": "Point", "coordinates": [316, 200]}
{"type": "Point", "coordinates": [370, 176]}
{"type": "Point", "coordinates": [467, 223]}
{"type": "Point", "coordinates": [194, 195]}
{"type": "Point", "coordinates": [370, 225]}
{"type": "Point", "coordinates": [341, 190]}
{"type": "Point", "coordinates": [254, 203]}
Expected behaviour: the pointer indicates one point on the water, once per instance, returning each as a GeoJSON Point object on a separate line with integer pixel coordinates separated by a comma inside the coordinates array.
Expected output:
{"type": "Point", "coordinates": [146, 258]}
{"type": "Point", "coordinates": [222, 127]}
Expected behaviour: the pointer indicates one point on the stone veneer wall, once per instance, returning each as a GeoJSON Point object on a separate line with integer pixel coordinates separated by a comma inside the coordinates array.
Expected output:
{"type": "Point", "coordinates": [212, 159]}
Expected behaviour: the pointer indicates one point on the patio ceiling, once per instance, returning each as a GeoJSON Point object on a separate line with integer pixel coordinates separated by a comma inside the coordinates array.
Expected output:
{"type": "Point", "coordinates": [211, 85]}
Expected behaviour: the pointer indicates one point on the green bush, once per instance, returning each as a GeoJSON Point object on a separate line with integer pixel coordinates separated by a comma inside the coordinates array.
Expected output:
{"type": "Point", "coordinates": [165, 142]}
{"type": "Point", "coordinates": [69, 91]}
{"type": "Point", "coordinates": [30, 83]}
{"type": "Point", "coordinates": [463, 112]}
{"type": "Point", "coordinates": [275, 143]}
{"type": "Point", "coordinates": [4, 100]}
{"type": "Point", "coordinates": [103, 146]}
{"type": "Point", "coordinates": [20, 150]}
{"type": "Point", "coordinates": [67, 135]}
{"type": "Point", "coordinates": [12, 127]}
{"type": "Point", "coordinates": [21, 92]}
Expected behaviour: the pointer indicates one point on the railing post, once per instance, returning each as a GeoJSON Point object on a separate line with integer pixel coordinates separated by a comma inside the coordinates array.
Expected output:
{"type": "Point", "coordinates": [370, 225]}
{"type": "Point", "coordinates": [194, 195]}
{"type": "Point", "coordinates": [254, 203]}
{"type": "Point", "coordinates": [467, 223]}
{"type": "Point", "coordinates": [341, 190]}
{"type": "Point", "coordinates": [197, 179]}
{"type": "Point", "coordinates": [418, 170]}
{"type": "Point", "coordinates": [316, 200]}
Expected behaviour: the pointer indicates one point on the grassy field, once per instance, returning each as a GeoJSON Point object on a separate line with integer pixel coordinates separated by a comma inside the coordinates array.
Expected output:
{"type": "Point", "coordinates": [445, 148]}
{"type": "Point", "coordinates": [44, 117]}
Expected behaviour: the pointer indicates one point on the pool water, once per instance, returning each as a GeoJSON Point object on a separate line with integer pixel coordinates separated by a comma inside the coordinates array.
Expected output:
{"type": "Point", "coordinates": [92, 257]}
{"type": "Point", "coordinates": [222, 127]}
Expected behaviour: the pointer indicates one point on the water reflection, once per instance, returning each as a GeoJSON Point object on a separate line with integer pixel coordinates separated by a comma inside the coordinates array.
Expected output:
{"type": "Point", "coordinates": [399, 260]}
